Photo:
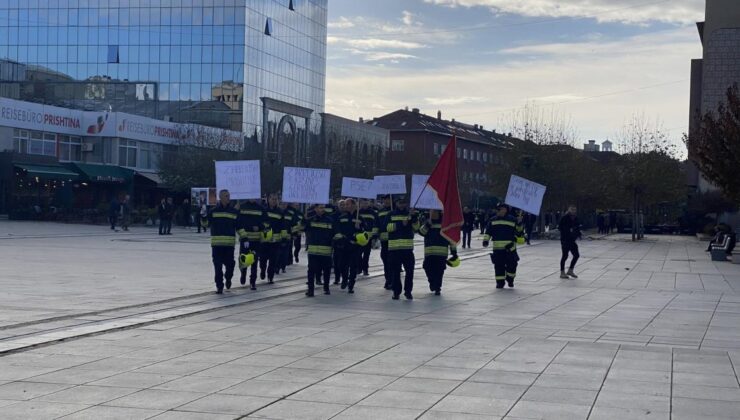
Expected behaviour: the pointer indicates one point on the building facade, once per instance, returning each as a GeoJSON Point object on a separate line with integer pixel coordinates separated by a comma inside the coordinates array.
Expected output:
{"type": "Point", "coordinates": [351, 149]}
{"type": "Point", "coordinates": [418, 140]}
{"type": "Point", "coordinates": [162, 59]}
{"type": "Point", "coordinates": [717, 70]}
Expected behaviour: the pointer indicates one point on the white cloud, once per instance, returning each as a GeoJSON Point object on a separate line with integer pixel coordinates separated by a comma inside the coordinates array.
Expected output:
{"type": "Point", "coordinates": [626, 11]}
{"type": "Point", "coordinates": [374, 43]}
{"type": "Point", "coordinates": [342, 23]}
{"type": "Point", "coordinates": [408, 19]}
{"type": "Point", "coordinates": [565, 76]}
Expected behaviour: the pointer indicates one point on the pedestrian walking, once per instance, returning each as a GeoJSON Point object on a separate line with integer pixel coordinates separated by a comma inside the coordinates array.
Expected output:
{"type": "Point", "coordinates": [126, 212]}
{"type": "Point", "coordinates": [339, 245]}
{"type": "Point", "coordinates": [529, 221]}
{"type": "Point", "coordinates": [321, 229]}
{"type": "Point", "coordinates": [436, 250]}
{"type": "Point", "coordinates": [297, 231]}
{"type": "Point", "coordinates": [467, 227]}
{"type": "Point", "coordinates": [349, 225]}
{"type": "Point", "coordinates": [114, 211]}
{"type": "Point", "coordinates": [223, 222]}
{"type": "Point", "coordinates": [369, 218]}
{"type": "Point", "coordinates": [251, 224]}
{"type": "Point", "coordinates": [383, 215]}
{"type": "Point", "coordinates": [402, 225]}
{"type": "Point", "coordinates": [286, 243]}
{"type": "Point", "coordinates": [502, 233]}
{"type": "Point", "coordinates": [570, 231]}
{"type": "Point", "coordinates": [272, 242]}
{"type": "Point", "coordinates": [165, 212]}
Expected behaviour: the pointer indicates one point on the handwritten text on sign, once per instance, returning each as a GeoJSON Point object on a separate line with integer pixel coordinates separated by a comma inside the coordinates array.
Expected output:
{"type": "Point", "coordinates": [423, 198]}
{"type": "Point", "coordinates": [240, 177]}
{"type": "Point", "coordinates": [390, 184]}
{"type": "Point", "coordinates": [360, 188]}
{"type": "Point", "coordinates": [525, 194]}
{"type": "Point", "coordinates": [306, 185]}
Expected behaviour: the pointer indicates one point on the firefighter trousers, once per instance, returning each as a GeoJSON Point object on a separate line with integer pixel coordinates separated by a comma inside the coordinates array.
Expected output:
{"type": "Point", "coordinates": [246, 247]}
{"type": "Point", "coordinates": [269, 259]}
{"type": "Point", "coordinates": [347, 263]}
{"type": "Point", "coordinates": [504, 265]}
{"type": "Point", "coordinates": [223, 258]}
{"type": "Point", "coordinates": [384, 258]}
{"type": "Point", "coordinates": [397, 259]}
{"type": "Point", "coordinates": [297, 247]}
{"type": "Point", "coordinates": [319, 268]}
{"type": "Point", "coordinates": [434, 267]}
{"type": "Point", "coordinates": [364, 259]}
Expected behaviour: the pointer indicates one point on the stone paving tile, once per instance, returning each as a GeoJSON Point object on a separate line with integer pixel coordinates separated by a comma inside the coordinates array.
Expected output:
{"type": "Point", "coordinates": [90, 395]}
{"type": "Point", "coordinates": [550, 411]}
{"type": "Point", "coordinates": [474, 405]}
{"type": "Point", "coordinates": [155, 399]}
{"type": "Point", "coordinates": [359, 412]}
{"type": "Point", "coordinates": [41, 410]}
{"type": "Point", "coordinates": [28, 390]}
{"type": "Point", "coordinates": [402, 399]}
{"type": "Point", "coordinates": [227, 404]}
{"type": "Point", "coordinates": [304, 410]}
{"type": "Point", "coordinates": [112, 413]}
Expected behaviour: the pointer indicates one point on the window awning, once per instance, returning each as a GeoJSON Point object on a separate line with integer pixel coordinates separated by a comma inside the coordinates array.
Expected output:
{"type": "Point", "coordinates": [52, 172]}
{"type": "Point", "coordinates": [104, 173]}
{"type": "Point", "coordinates": [151, 178]}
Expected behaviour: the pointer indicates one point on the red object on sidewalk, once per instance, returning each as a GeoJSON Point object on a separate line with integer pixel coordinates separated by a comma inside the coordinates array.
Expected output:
{"type": "Point", "coordinates": [443, 181]}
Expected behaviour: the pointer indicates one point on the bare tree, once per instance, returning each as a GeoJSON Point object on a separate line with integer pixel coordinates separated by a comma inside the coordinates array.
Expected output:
{"type": "Point", "coordinates": [543, 125]}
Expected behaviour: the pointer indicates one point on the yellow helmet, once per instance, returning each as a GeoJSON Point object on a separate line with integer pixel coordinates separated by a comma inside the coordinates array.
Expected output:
{"type": "Point", "coordinates": [267, 235]}
{"type": "Point", "coordinates": [362, 238]}
{"type": "Point", "coordinates": [520, 240]}
{"type": "Point", "coordinates": [246, 260]}
{"type": "Point", "coordinates": [453, 262]}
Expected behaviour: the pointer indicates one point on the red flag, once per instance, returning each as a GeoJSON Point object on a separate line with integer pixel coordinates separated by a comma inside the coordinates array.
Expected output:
{"type": "Point", "coordinates": [443, 181]}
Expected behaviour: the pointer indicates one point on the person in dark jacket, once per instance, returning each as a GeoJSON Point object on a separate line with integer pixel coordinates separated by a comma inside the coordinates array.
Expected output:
{"type": "Point", "coordinates": [383, 215]}
{"type": "Point", "coordinates": [165, 211]}
{"type": "Point", "coordinates": [251, 224]}
{"type": "Point", "coordinates": [468, 227]}
{"type": "Point", "coordinates": [436, 249]}
{"type": "Point", "coordinates": [320, 231]}
{"type": "Point", "coordinates": [570, 231]}
{"type": "Point", "coordinates": [223, 221]}
{"type": "Point", "coordinates": [113, 212]}
{"type": "Point", "coordinates": [272, 244]}
{"type": "Point", "coordinates": [402, 225]}
{"type": "Point", "coordinates": [369, 218]}
{"type": "Point", "coordinates": [503, 230]}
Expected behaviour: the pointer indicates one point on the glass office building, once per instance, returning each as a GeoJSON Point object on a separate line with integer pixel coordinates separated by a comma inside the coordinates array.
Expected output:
{"type": "Point", "coordinates": [255, 66]}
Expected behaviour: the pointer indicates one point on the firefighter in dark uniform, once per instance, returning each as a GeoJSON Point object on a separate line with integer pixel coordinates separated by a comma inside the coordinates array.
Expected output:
{"type": "Point", "coordinates": [286, 244]}
{"type": "Point", "coordinates": [382, 219]}
{"type": "Point", "coordinates": [402, 224]}
{"type": "Point", "coordinates": [339, 245]}
{"type": "Point", "coordinates": [369, 218]}
{"type": "Point", "coordinates": [320, 230]}
{"type": "Point", "coordinates": [436, 250]}
{"type": "Point", "coordinates": [502, 232]}
{"type": "Point", "coordinates": [223, 222]}
{"type": "Point", "coordinates": [297, 230]}
{"type": "Point", "coordinates": [348, 225]}
{"type": "Point", "coordinates": [271, 245]}
{"type": "Point", "coordinates": [251, 224]}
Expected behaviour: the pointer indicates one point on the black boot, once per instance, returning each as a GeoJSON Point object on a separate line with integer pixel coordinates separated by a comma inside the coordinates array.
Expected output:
{"type": "Point", "coordinates": [500, 284]}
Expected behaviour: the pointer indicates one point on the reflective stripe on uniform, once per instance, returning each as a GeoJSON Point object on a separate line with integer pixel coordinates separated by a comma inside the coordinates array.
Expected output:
{"type": "Point", "coordinates": [252, 212]}
{"type": "Point", "coordinates": [500, 277]}
{"type": "Point", "coordinates": [319, 250]}
{"type": "Point", "coordinates": [511, 275]}
{"type": "Point", "coordinates": [223, 214]}
{"type": "Point", "coordinates": [503, 222]}
{"type": "Point", "coordinates": [501, 244]}
{"type": "Point", "coordinates": [435, 250]}
{"type": "Point", "coordinates": [321, 225]}
{"type": "Point", "coordinates": [384, 236]}
{"type": "Point", "coordinates": [222, 240]}
{"type": "Point", "coordinates": [394, 244]}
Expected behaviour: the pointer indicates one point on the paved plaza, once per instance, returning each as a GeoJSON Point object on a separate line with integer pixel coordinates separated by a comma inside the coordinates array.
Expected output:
{"type": "Point", "coordinates": [102, 325]}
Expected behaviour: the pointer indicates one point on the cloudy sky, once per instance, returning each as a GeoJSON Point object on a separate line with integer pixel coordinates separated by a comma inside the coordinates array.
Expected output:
{"type": "Point", "coordinates": [598, 61]}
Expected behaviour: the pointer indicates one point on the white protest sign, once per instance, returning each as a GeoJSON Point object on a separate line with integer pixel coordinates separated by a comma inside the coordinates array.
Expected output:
{"type": "Point", "coordinates": [306, 185]}
{"type": "Point", "coordinates": [423, 198]}
{"type": "Point", "coordinates": [390, 184]}
{"type": "Point", "coordinates": [525, 194]}
{"type": "Point", "coordinates": [357, 187]}
{"type": "Point", "coordinates": [240, 177]}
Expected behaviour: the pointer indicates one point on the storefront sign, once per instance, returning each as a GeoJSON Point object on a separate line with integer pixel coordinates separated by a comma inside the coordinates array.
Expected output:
{"type": "Point", "coordinates": [39, 117]}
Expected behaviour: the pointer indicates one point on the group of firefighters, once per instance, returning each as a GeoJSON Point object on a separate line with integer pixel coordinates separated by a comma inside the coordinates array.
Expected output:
{"type": "Point", "coordinates": [340, 239]}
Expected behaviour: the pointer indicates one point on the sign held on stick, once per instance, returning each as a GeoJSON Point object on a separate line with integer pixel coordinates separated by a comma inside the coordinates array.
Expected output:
{"type": "Point", "coordinates": [357, 187]}
{"type": "Point", "coordinates": [421, 197]}
{"type": "Point", "coordinates": [390, 184]}
{"type": "Point", "coordinates": [306, 185]}
{"type": "Point", "coordinates": [240, 177]}
{"type": "Point", "coordinates": [525, 194]}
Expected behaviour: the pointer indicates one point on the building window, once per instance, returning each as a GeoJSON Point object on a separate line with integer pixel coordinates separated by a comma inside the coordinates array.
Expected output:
{"type": "Point", "coordinates": [465, 154]}
{"type": "Point", "coordinates": [20, 141]}
{"type": "Point", "coordinates": [485, 157]}
{"type": "Point", "coordinates": [398, 145]}
{"type": "Point", "coordinates": [113, 56]}
{"type": "Point", "coordinates": [268, 27]}
{"type": "Point", "coordinates": [127, 151]}
{"type": "Point", "coordinates": [477, 156]}
{"type": "Point", "coordinates": [442, 148]}
{"type": "Point", "coordinates": [436, 149]}
{"type": "Point", "coordinates": [70, 148]}
{"type": "Point", "coordinates": [459, 153]}
{"type": "Point", "coordinates": [42, 144]}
